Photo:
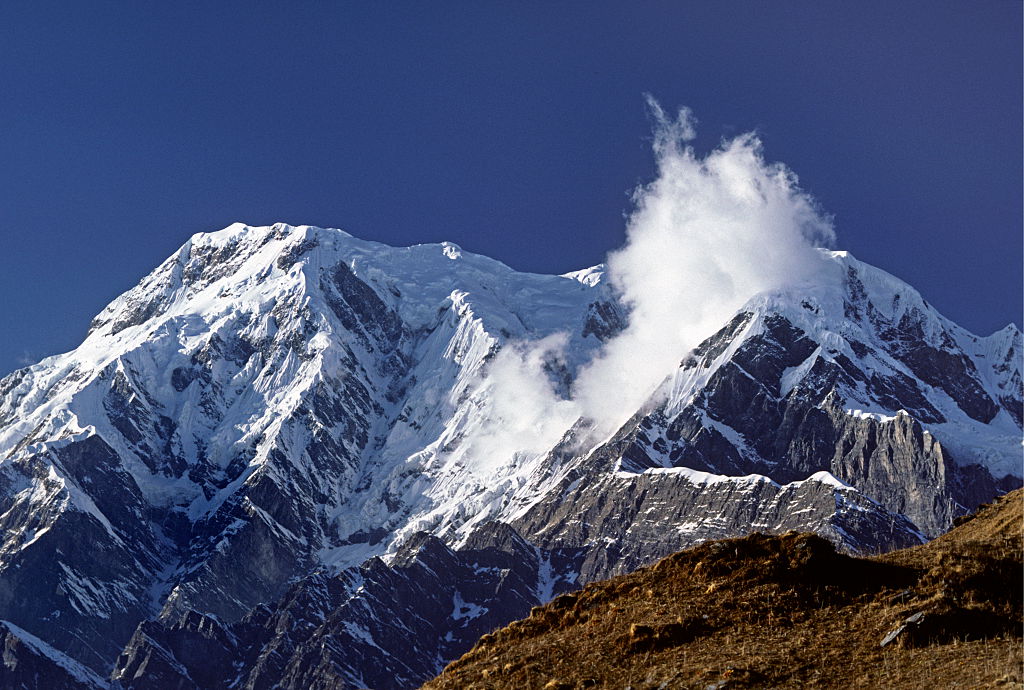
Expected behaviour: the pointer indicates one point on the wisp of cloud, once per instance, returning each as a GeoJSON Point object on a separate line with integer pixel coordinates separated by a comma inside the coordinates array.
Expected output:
{"type": "Point", "coordinates": [704, 237]}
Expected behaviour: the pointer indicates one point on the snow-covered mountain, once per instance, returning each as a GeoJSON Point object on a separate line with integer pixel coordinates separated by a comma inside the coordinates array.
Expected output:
{"type": "Point", "coordinates": [273, 442]}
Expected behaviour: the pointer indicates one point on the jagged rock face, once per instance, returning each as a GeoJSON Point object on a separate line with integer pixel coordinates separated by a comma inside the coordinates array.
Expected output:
{"type": "Point", "coordinates": [28, 662]}
{"type": "Point", "coordinates": [624, 521]}
{"type": "Point", "coordinates": [903, 467]}
{"type": "Point", "coordinates": [780, 390]}
{"type": "Point", "coordinates": [378, 625]}
{"type": "Point", "coordinates": [269, 433]}
{"type": "Point", "coordinates": [391, 625]}
{"type": "Point", "coordinates": [81, 576]}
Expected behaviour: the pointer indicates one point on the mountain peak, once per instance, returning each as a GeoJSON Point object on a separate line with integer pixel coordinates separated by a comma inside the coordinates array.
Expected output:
{"type": "Point", "coordinates": [279, 401]}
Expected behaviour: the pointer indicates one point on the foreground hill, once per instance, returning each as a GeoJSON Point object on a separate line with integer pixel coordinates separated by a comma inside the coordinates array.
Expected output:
{"type": "Point", "coordinates": [780, 611]}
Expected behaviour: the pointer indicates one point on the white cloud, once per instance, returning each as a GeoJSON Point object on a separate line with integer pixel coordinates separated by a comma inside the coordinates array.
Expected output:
{"type": "Point", "coordinates": [704, 237]}
{"type": "Point", "coordinates": [525, 415]}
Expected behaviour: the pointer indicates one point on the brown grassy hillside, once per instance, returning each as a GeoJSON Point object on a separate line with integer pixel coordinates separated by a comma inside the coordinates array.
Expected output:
{"type": "Point", "coordinates": [780, 611]}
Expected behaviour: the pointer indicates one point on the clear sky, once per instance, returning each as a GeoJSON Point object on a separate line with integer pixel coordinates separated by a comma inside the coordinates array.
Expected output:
{"type": "Point", "coordinates": [516, 130]}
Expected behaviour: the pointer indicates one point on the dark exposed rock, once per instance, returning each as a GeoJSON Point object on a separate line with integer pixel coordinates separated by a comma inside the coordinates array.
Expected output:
{"type": "Point", "coordinates": [431, 603]}
{"type": "Point", "coordinates": [744, 421]}
{"type": "Point", "coordinates": [619, 522]}
{"type": "Point", "coordinates": [604, 320]}
{"type": "Point", "coordinates": [58, 590]}
{"type": "Point", "coordinates": [29, 663]}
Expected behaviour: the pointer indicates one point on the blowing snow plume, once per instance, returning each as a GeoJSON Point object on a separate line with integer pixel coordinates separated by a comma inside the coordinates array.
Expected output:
{"type": "Point", "coordinates": [705, 236]}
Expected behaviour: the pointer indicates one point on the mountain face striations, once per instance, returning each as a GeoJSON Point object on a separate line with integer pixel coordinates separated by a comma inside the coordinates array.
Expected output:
{"type": "Point", "coordinates": [263, 467]}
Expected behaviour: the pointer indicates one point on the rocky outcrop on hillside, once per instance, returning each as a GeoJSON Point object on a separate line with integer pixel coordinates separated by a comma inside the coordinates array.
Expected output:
{"type": "Point", "coordinates": [780, 611]}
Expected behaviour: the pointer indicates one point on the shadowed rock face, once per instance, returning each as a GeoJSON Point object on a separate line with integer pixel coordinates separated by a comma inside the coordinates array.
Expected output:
{"type": "Point", "coordinates": [431, 602]}
{"type": "Point", "coordinates": [87, 605]}
{"type": "Point", "coordinates": [623, 522]}
{"type": "Point", "coordinates": [389, 626]}
{"type": "Point", "coordinates": [250, 474]}
{"type": "Point", "coordinates": [28, 662]}
{"type": "Point", "coordinates": [748, 418]}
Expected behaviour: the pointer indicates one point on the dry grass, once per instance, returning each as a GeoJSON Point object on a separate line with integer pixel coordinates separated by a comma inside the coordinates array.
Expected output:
{"type": "Point", "coordinates": [780, 611]}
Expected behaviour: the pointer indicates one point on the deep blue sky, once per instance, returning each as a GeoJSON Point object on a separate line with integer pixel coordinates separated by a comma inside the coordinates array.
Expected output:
{"type": "Point", "coordinates": [514, 129]}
